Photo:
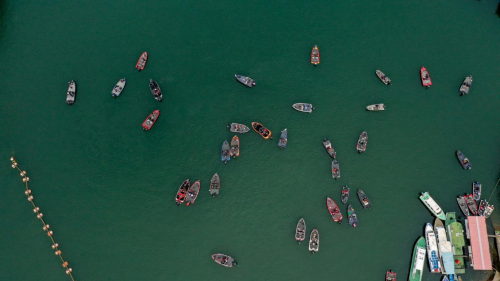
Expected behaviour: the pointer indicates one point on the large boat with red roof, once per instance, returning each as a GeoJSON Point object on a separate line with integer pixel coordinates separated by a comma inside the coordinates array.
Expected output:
{"type": "Point", "coordinates": [141, 63]}
{"type": "Point", "coordinates": [334, 210]}
{"type": "Point", "coordinates": [151, 120]}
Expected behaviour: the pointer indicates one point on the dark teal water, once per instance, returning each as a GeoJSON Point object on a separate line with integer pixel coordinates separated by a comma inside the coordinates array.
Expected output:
{"type": "Point", "coordinates": [107, 188]}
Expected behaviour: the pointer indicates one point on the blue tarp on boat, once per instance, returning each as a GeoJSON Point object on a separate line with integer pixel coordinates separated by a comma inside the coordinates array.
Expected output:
{"type": "Point", "coordinates": [448, 263]}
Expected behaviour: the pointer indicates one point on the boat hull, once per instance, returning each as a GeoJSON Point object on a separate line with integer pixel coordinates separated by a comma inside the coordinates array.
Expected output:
{"type": "Point", "coordinates": [425, 77]}
{"type": "Point", "coordinates": [466, 84]}
{"type": "Point", "coordinates": [151, 120]}
{"type": "Point", "coordinates": [383, 77]}
{"type": "Point", "coordinates": [117, 90]}
{"type": "Point", "coordinates": [283, 139]}
{"type": "Point", "coordinates": [215, 185]}
{"type": "Point", "coordinates": [235, 147]}
{"type": "Point", "coordinates": [71, 93]}
{"type": "Point", "coordinates": [224, 260]}
{"type": "Point", "coordinates": [315, 57]}
{"type": "Point", "coordinates": [261, 130]}
{"type": "Point", "coordinates": [225, 152]}
{"type": "Point", "coordinates": [363, 199]}
{"type": "Point", "coordinates": [141, 63]}
{"type": "Point", "coordinates": [300, 231]}
{"type": "Point", "coordinates": [182, 192]}
{"type": "Point", "coordinates": [314, 241]}
{"type": "Point", "coordinates": [193, 192]}
{"type": "Point", "coordinates": [334, 210]}
{"type": "Point", "coordinates": [362, 142]}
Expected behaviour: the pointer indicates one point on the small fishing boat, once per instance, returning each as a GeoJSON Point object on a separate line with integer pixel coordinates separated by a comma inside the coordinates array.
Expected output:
{"type": "Point", "coordinates": [247, 81]}
{"type": "Point", "coordinates": [215, 185]}
{"type": "Point", "coordinates": [445, 278]}
{"type": "Point", "coordinates": [465, 87]}
{"type": "Point", "coordinates": [351, 214]}
{"type": "Point", "coordinates": [481, 208]}
{"type": "Point", "coordinates": [314, 241]}
{"type": "Point", "coordinates": [225, 153]}
{"type": "Point", "coordinates": [432, 205]}
{"type": "Point", "coordinates": [362, 142]}
{"type": "Point", "coordinates": [224, 260]}
{"type": "Point", "coordinates": [464, 161]}
{"type": "Point", "coordinates": [300, 231]}
{"type": "Point", "coordinates": [181, 193]}
{"type": "Point", "coordinates": [335, 169]}
{"type": "Point", "coordinates": [71, 93]}
{"type": "Point", "coordinates": [390, 276]}
{"type": "Point", "coordinates": [383, 77]}
{"type": "Point", "coordinates": [432, 249]}
{"type": "Point", "coordinates": [488, 210]}
{"type": "Point", "coordinates": [238, 128]}
{"type": "Point", "coordinates": [235, 147]}
{"type": "Point", "coordinates": [117, 90]}
{"type": "Point", "coordinates": [261, 130]}
{"type": "Point", "coordinates": [315, 55]}
{"type": "Point", "coordinates": [141, 63]}
{"type": "Point", "coordinates": [376, 107]}
{"type": "Point", "coordinates": [192, 193]}
{"type": "Point", "coordinates": [426, 79]}
{"type": "Point", "coordinates": [329, 149]}
{"type": "Point", "coordinates": [365, 202]}
{"type": "Point", "coordinates": [334, 210]}
{"type": "Point", "coordinates": [476, 190]}
{"type": "Point", "coordinates": [151, 120]}
{"type": "Point", "coordinates": [345, 194]}
{"type": "Point", "coordinates": [303, 107]}
{"type": "Point", "coordinates": [283, 139]}
{"type": "Point", "coordinates": [155, 90]}
{"type": "Point", "coordinates": [469, 199]}
{"type": "Point", "coordinates": [463, 205]}
{"type": "Point", "coordinates": [417, 261]}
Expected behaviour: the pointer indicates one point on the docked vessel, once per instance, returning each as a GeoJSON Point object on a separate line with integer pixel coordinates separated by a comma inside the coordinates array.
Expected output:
{"type": "Point", "coordinates": [247, 81]}
{"type": "Point", "coordinates": [383, 77]}
{"type": "Point", "coordinates": [456, 236]}
{"type": "Point", "coordinates": [335, 169]}
{"type": "Point", "coordinates": [390, 276]}
{"type": "Point", "coordinates": [192, 193]}
{"type": "Point", "coordinates": [351, 214]}
{"type": "Point", "coordinates": [283, 139]}
{"type": "Point", "coordinates": [445, 248]}
{"type": "Point", "coordinates": [214, 185]}
{"type": "Point", "coordinates": [476, 190]}
{"type": "Point", "coordinates": [432, 249]}
{"type": "Point", "coordinates": [425, 77]}
{"type": "Point", "coordinates": [151, 120]}
{"type": "Point", "coordinates": [465, 87]}
{"type": "Point", "coordinates": [464, 161]}
{"type": "Point", "coordinates": [155, 90]}
{"type": "Point", "coordinates": [314, 241]}
{"type": "Point", "coordinates": [482, 207]}
{"type": "Point", "coordinates": [329, 149]}
{"type": "Point", "coordinates": [463, 205]}
{"type": "Point", "coordinates": [224, 260]}
{"type": "Point", "coordinates": [117, 90]}
{"type": "Point", "coordinates": [345, 194]}
{"type": "Point", "coordinates": [432, 205]}
{"type": "Point", "coordinates": [261, 130]}
{"type": "Point", "coordinates": [315, 55]}
{"type": "Point", "coordinates": [235, 147]}
{"type": "Point", "coordinates": [303, 107]}
{"type": "Point", "coordinates": [362, 142]}
{"type": "Point", "coordinates": [488, 210]}
{"type": "Point", "coordinates": [471, 204]}
{"type": "Point", "coordinates": [238, 128]}
{"type": "Point", "coordinates": [376, 107]}
{"type": "Point", "coordinates": [71, 93]}
{"type": "Point", "coordinates": [225, 152]}
{"type": "Point", "coordinates": [141, 63]}
{"type": "Point", "coordinates": [417, 261]}
{"type": "Point", "coordinates": [365, 202]}
{"type": "Point", "coordinates": [181, 193]}
{"type": "Point", "coordinates": [334, 210]}
{"type": "Point", "coordinates": [300, 231]}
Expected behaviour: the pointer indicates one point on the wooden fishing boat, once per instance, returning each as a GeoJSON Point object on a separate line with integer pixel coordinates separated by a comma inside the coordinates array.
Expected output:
{"type": "Point", "coordinates": [192, 193]}
{"type": "Point", "coordinates": [235, 147]}
{"type": "Point", "coordinates": [300, 231]}
{"type": "Point", "coordinates": [376, 107]}
{"type": "Point", "coordinates": [117, 90]}
{"type": "Point", "coordinates": [315, 55]}
{"type": "Point", "coordinates": [303, 107]}
{"type": "Point", "coordinates": [283, 139]}
{"type": "Point", "coordinates": [383, 77]}
{"type": "Point", "coordinates": [362, 142]}
{"type": "Point", "coordinates": [224, 260]}
{"type": "Point", "coordinates": [151, 120]}
{"type": "Point", "coordinates": [238, 128]}
{"type": "Point", "coordinates": [181, 193]}
{"type": "Point", "coordinates": [225, 152]}
{"type": "Point", "coordinates": [425, 77]}
{"type": "Point", "coordinates": [261, 130]}
{"type": "Point", "coordinates": [327, 144]}
{"type": "Point", "coordinates": [345, 194]}
{"type": "Point", "coordinates": [215, 185]}
{"type": "Point", "coordinates": [314, 241]}
{"type": "Point", "coordinates": [334, 210]}
{"type": "Point", "coordinates": [141, 63]}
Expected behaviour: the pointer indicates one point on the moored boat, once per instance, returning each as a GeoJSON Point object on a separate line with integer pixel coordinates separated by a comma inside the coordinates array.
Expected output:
{"type": "Point", "coordinates": [314, 241]}
{"type": "Point", "coordinates": [155, 90]}
{"type": "Point", "coordinates": [215, 185]}
{"type": "Point", "coordinates": [463, 205]}
{"type": "Point", "coordinates": [71, 93]}
{"type": "Point", "coordinates": [432, 249]}
{"type": "Point", "coordinates": [383, 77]}
{"type": "Point", "coordinates": [283, 139]}
{"type": "Point", "coordinates": [261, 130]}
{"type": "Point", "coordinates": [303, 107]}
{"type": "Point", "coordinates": [235, 147]}
{"type": "Point", "coordinates": [181, 193]}
{"type": "Point", "coordinates": [476, 190]}
{"type": "Point", "coordinates": [465, 87]}
{"type": "Point", "coordinates": [315, 55]}
{"type": "Point", "coordinates": [224, 260]}
{"type": "Point", "coordinates": [351, 214]}
{"type": "Point", "coordinates": [334, 210]}
{"type": "Point", "coordinates": [192, 193]}
{"type": "Point", "coordinates": [151, 120]}
{"type": "Point", "coordinates": [335, 169]}
{"type": "Point", "coordinates": [390, 276]}
{"type": "Point", "coordinates": [432, 205]}
{"type": "Point", "coordinates": [363, 199]}
{"type": "Point", "coordinates": [225, 152]}
{"type": "Point", "coordinates": [329, 148]}
{"type": "Point", "coordinates": [141, 63]}
{"type": "Point", "coordinates": [445, 248]}
{"type": "Point", "coordinates": [471, 204]}
{"type": "Point", "coordinates": [362, 142]}
{"type": "Point", "coordinates": [481, 207]}
{"type": "Point", "coordinates": [247, 81]}
{"type": "Point", "coordinates": [425, 77]}
{"type": "Point", "coordinates": [118, 88]}
{"type": "Point", "coordinates": [238, 128]}
{"type": "Point", "coordinates": [456, 236]}
{"type": "Point", "coordinates": [488, 210]}
{"type": "Point", "coordinates": [300, 231]}
{"type": "Point", "coordinates": [376, 107]}
{"type": "Point", "coordinates": [417, 260]}
{"type": "Point", "coordinates": [464, 161]}
{"type": "Point", "coordinates": [345, 194]}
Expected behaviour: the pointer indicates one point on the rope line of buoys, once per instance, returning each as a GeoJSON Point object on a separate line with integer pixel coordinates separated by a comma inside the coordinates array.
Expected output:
{"type": "Point", "coordinates": [39, 215]}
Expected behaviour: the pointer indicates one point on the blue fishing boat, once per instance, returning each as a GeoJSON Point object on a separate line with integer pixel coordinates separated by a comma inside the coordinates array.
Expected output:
{"type": "Point", "coordinates": [225, 153]}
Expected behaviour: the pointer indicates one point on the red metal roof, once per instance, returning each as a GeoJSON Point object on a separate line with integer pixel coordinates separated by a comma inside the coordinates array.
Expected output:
{"type": "Point", "coordinates": [479, 242]}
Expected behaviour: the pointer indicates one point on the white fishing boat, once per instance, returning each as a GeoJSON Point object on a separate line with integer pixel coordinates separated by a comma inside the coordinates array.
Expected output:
{"type": "Point", "coordinates": [432, 249]}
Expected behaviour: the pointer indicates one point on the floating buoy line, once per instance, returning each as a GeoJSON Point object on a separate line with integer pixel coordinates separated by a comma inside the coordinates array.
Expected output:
{"type": "Point", "coordinates": [39, 215]}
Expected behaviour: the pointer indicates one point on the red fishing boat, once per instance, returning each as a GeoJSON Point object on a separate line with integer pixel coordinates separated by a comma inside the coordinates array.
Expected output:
{"type": "Point", "coordinates": [141, 63]}
{"type": "Point", "coordinates": [151, 120]}
{"type": "Point", "coordinates": [315, 55]}
{"type": "Point", "coordinates": [390, 276]}
{"type": "Point", "coordinates": [334, 210]}
{"type": "Point", "coordinates": [426, 78]}
{"type": "Point", "coordinates": [181, 193]}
